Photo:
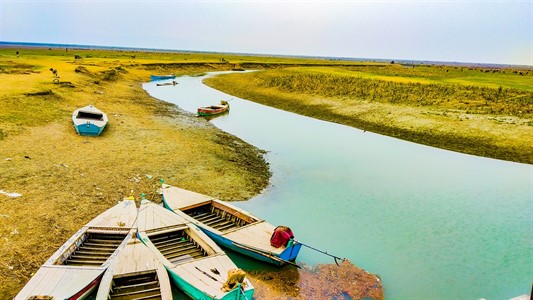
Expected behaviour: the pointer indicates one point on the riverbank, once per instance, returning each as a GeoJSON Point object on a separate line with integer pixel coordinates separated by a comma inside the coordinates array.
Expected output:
{"type": "Point", "coordinates": [65, 180]}
{"type": "Point", "coordinates": [479, 111]}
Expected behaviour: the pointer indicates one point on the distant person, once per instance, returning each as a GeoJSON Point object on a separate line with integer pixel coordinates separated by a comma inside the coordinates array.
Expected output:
{"type": "Point", "coordinates": [17, 53]}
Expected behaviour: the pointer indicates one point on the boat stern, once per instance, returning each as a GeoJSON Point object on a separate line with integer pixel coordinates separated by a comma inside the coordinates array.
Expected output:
{"type": "Point", "coordinates": [89, 129]}
{"type": "Point", "coordinates": [291, 252]}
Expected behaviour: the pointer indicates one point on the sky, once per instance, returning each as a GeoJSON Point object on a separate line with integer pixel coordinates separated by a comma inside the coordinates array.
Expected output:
{"type": "Point", "coordinates": [476, 31]}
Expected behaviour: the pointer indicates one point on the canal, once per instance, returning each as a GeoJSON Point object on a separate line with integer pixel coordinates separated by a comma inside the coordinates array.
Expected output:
{"type": "Point", "coordinates": [432, 223]}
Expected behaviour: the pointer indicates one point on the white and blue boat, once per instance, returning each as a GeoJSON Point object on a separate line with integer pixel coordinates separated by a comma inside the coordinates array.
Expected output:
{"type": "Point", "coordinates": [231, 227]}
{"type": "Point", "coordinates": [89, 120]}
{"type": "Point", "coordinates": [194, 262]}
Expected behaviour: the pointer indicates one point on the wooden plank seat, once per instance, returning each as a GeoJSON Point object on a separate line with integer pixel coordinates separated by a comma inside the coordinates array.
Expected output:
{"type": "Point", "coordinates": [95, 250]}
{"type": "Point", "coordinates": [170, 240]}
{"type": "Point", "coordinates": [93, 253]}
{"type": "Point", "coordinates": [177, 244]}
{"type": "Point", "coordinates": [149, 284]}
{"type": "Point", "coordinates": [141, 286]}
{"type": "Point", "coordinates": [77, 262]}
{"type": "Point", "coordinates": [178, 253]}
{"type": "Point", "coordinates": [215, 217]}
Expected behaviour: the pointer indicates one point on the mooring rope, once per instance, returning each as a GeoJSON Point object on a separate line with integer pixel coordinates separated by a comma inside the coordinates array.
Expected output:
{"type": "Point", "coordinates": [336, 258]}
{"type": "Point", "coordinates": [241, 289]}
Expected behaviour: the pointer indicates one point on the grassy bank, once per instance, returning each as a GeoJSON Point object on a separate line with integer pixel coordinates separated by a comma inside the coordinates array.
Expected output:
{"type": "Point", "coordinates": [485, 112]}
{"type": "Point", "coordinates": [66, 180]}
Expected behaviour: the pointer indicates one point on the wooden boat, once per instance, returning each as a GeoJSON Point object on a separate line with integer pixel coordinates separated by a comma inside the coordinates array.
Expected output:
{"type": "Point", "coordinates": [230, 226]}
{"type": "Point", "coordinates": [89, 120]}
{"type": "Point", "coordinates": [162, 77]}
{"type": "Point", "coordinates": [135, 274]}
{"type": "Point", "coordinates": [166, 83]}
{"type": "Point", "coordinates": [213, 109]}
{"type": "Point", "coordinates": [77, 267]}
{"type": "Point", "coordinates": [194, 262]}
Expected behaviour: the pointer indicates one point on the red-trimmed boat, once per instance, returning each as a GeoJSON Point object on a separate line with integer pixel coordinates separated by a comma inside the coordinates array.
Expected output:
{"type": "Point", "coordinates": [214, 109]}
{"type": "Point", "coordinates": [77, 267]}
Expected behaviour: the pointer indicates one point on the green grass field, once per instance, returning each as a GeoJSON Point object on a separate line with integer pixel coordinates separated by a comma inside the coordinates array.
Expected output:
{"type": "Point", "coordinates": [486, 112]}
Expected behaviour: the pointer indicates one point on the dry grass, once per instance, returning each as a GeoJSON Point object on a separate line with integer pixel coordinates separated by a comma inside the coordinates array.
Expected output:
{"type": "Point", "coordinates": [416, 104]}
{"type": "Point", "coordinates": [66, 180]}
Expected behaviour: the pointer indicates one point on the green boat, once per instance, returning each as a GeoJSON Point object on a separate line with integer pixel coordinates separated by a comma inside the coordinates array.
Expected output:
{"type": "Point", "coordinates": [194, 262]}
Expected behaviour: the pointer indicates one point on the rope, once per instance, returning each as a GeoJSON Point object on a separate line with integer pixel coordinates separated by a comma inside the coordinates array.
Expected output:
{"type": "Point", "coordinates": [336, 258]}
{"type": "Point", "coordinates": [242, 291]}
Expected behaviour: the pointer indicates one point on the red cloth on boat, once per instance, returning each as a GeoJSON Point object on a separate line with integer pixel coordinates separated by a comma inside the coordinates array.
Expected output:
{"type": "Point", "coordinates": [281, 236]}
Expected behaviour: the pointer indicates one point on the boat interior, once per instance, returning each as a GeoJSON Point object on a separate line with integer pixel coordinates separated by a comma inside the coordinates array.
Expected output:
{"type": "Point", "coordinates": [136, 286]}
{"type": "Point", "coordinates": [219, 217]}
{"type": "Point", "coordinates": [89, 116]}
{"type": "Point", "coordinates": [94, 249]}
{"type": "Point", "coordinates": [178, 246]}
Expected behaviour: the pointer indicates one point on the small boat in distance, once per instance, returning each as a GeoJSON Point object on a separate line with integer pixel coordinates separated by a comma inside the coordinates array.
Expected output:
{"type": "Point", "coordinates": [234, 228]}
{"type": "Point", "coordinates": [213, 109]}
{"type": "Point", "coordinates": [77, 267]}
{"type": "Point", "coordinates": [167, 83]}
{"type": "Point", "coordinates": [162, 77]}
{"type": "Point", "coordinates": [194, 262]}
{"type": "Point", "coordinates": [89, 120]}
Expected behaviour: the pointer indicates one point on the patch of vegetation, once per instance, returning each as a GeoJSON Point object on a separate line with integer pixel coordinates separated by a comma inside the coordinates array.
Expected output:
{"type": "Point", "coordinates": [447, 96]}
{"type": "Point", "coordinates": [82, 70]}
{"type": "Point", "coordinates": [11, 67]}
{"type": "Point", "coordinates": [428, 105]}
{"type": "Point", "coordinates": [198, 75]}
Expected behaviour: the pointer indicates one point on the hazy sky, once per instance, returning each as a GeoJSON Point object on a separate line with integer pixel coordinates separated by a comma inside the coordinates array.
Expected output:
{"type": "Point", "coordinates": [459, 31]}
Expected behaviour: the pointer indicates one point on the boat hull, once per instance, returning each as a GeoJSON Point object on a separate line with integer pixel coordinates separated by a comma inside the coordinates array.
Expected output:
{"type": "Point", "coordinates": [289, 254]}
{"type": "Point", "coordinates": [205, 111]}
{"type": "Point", "coordinates": [161, 77]}
{"type": "Point", "coordinates": [194, 293]}
{"type": "Point", "coordinates": [89, 129]}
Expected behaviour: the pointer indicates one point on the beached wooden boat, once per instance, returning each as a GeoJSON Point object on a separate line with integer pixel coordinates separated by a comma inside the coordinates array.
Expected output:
{"type": "Point", "coordinates": [135, 274]}
{"type": "Point", "coordinates": [162, 77]}
{"type": "Point", "coordinates": [214, 109]}
{"type": "Point", "coordinates": [166, 83]}
{"type": "Point", "coordinates": [77, 267]}
{"type": "Point", "coordinates": [194, 262]}
{"type": "Point", "coordinates": [230, 226]}
{"type": "Point", "coordinates": [89, 120]}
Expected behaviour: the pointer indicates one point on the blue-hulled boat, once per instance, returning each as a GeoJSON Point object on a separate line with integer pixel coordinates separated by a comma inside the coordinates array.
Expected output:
{"type": "Point", "coordinates": [162, 77]}
{"type": "Point", "coordinates": [89, 120]}
{"type": "Point", "coordinates": [231, 227]}
{"type": "Point", "coordinates": [194, 262]}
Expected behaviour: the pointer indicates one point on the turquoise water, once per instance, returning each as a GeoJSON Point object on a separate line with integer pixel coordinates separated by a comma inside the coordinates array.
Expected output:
{"type": "Point", "coordinates": [434, 224]}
